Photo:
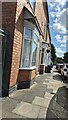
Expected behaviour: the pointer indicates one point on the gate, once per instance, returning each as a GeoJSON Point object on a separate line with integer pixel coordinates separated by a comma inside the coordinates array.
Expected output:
{"type": "Point", "coordinates": [4, 49]}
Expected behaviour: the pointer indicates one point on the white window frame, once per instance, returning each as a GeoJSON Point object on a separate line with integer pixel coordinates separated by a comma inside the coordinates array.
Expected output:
{"type": "Point", "coordinates": [45, 56]}
{"type": "Point", "coordinates": [32, 41]}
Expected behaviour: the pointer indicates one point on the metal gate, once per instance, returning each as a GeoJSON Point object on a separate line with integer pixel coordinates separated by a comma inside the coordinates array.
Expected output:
{"type": "Point", "coordinates": [4, 49]}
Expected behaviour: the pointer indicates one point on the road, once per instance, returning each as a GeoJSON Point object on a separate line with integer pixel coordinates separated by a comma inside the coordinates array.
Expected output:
{"type": "Point", "coordinates": [46, 98]}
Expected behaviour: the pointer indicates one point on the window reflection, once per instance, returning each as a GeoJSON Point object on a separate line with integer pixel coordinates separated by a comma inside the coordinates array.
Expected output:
{"type": "Point", "coordinates": [26, 53]}
{"type": "Point", "coordinates": [34, 50]}
{"type": "Point", "coordinates": [28, 33]}
{"type": "Point", "coordinates": [35, 37]}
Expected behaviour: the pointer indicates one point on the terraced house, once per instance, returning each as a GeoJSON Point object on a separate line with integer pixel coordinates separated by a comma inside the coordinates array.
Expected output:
{"type": "Point", "coordinates": [26, 43]}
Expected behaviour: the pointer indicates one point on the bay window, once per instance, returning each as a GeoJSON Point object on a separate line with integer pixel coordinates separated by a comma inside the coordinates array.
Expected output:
{"type": "Point", "coordinates": [29, 48]}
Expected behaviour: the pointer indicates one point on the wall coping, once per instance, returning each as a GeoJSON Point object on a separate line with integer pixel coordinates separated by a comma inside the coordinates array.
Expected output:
{"type": "Point", "coordinates": [30, 68]}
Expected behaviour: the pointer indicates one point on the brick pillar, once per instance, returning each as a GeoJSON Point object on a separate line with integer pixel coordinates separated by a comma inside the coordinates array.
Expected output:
{"type": "Point", "coordinates": [42, 69]}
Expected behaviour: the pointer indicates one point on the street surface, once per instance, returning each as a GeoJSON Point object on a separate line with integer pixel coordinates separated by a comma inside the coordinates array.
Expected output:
{"type": "Point", "coordinates": [47, 98]}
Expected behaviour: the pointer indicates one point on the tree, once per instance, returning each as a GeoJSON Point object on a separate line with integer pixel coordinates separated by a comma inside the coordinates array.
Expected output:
{"type": "Point", "coordinates": [53, 53]}
{"type": "Point", "coordinates": [59, 60]}
{"type": "Point", "coordinates": [66, 57]}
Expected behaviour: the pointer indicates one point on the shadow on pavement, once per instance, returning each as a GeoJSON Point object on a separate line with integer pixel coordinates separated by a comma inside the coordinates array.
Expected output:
{"type": "Point", "coordinates": [58, 77]}
{"type": "Point", "coordinates": [58, 106]}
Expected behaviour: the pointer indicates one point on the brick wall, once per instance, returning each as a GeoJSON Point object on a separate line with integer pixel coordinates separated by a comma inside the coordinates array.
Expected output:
{"type": "Point", "coordinates": [12, 22]}
{"type": "Point", "coordinates": [33, 74]}
{"type": "Point", "coordinates": [25, 75]}
{"type": "Point", "coordinates": [18, 37]}
{"type": "Point", "coordinates": [40, 12]}
{"type": "Point", "coordinates": [8, 24]}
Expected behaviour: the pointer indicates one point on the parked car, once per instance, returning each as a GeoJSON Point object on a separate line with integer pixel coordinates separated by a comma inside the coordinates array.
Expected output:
{"type": "Point", "coordinates": [59, 67]}
{"type": "Point", "coordinates": [64, 70]}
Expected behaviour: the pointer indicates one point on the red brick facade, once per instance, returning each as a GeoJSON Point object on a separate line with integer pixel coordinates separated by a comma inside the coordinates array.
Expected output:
{"type": "Point", "coordinates": [8, 24]}
{"type": "Point", "coordinates": [41, 13]}
{"type": "Point", "coordinates": [13, 22]}
{"type": "Point", "coordinates": [26, 75]}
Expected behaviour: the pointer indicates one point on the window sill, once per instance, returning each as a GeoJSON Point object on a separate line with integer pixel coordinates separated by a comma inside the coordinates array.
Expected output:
{"type": "Point", "coordinates": [30, 68]}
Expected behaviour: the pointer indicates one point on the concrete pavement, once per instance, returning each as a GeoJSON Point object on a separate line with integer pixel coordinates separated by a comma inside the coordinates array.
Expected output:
{"type": "Point", "coordinates": [47, 98]}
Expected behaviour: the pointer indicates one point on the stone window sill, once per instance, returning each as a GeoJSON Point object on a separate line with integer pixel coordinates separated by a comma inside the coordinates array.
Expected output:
{"type": "Point", "coordinates": [30, 68]}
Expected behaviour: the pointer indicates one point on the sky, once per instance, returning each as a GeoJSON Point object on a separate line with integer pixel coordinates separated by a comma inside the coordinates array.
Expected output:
{"type": "Point", "coordinates": [58, 14]}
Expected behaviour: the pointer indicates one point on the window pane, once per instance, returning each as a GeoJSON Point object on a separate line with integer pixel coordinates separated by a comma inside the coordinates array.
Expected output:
{"type": "Point", "coordinates": [28, 33]}
{"type": "Point", "coordinates": [35, 37]}
{"type": "Point", "coordinates": [26, 54]}
{"type": "Point", "coordinates": [34, 50]}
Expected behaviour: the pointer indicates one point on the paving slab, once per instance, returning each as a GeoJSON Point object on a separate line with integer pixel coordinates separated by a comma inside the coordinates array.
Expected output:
{"type": "Point", "coordinates": [48, 95]}
{"type": "Point", "coordinates": [49, 90]}
{"type": "Point", "coordinates": [54, 91]}
{"type": "Point", "coordinates": [41, 102]}
{"type": "Point", "coordinates": [42, 113]}
{"type": "Point", "coordinates": [45, 83]}
{"type": "Point", "coordinates": [11, 115]}
{"type": "Point", "coordinates": [52, 87]}
{"type": "Point", "coordinates": [26, 109]}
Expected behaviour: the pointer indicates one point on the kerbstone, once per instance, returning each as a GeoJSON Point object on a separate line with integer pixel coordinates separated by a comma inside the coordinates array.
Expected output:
{"type": "Point", "coordinates": [48, 95]}
{"type": "Point", "coordinates": [42, 113]}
